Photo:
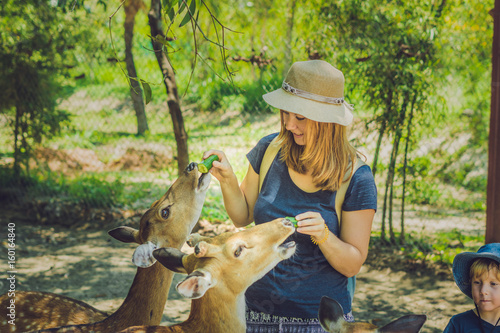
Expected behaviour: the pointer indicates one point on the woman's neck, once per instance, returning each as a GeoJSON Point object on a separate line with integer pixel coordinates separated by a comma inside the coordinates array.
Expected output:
{"type": "Point", "coordinates": [303, 181]}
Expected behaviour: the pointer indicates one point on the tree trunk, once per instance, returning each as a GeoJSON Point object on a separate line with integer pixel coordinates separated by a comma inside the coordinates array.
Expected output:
{"type": "Point", "coordinates": [402, 236]}
{"type": "Point", "coordinates": [289, 35]}
{"type": "Point", "coordinates": [173, 101]}
{"type": "Point", "coordinates": [394, 155]}
{"type": "Point", "coordinates": [381, 133]}
{"type": "Point", "coordinates": [384, 206]}
{"type": "Point", "coordinates": [131, 8]}
{"type": "Point", "coordinates": [17, 148]}
{"type": "Point", "coordinates": [390, 180]}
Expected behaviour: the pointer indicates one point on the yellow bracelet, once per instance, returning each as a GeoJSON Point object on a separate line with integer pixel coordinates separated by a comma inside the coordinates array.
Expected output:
{"type": "Point", "coordinates": [327, 231]}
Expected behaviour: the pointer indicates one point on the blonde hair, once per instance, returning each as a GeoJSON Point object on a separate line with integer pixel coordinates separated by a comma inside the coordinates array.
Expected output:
{"type": "Point", "coordinates": [327, 153]}
{"type": "Point", "coordinates": [483, 265]}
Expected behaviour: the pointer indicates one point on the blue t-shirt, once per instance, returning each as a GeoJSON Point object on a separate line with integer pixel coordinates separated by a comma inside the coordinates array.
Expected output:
{"type": "Point", "coordinates": [295, 286]}
{"type": "Point", "coordinates": [468, 322]}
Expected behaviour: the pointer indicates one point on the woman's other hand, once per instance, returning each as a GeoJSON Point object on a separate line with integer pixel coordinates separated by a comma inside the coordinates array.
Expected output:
{"type": "Point", "coordinates": [311, 223]}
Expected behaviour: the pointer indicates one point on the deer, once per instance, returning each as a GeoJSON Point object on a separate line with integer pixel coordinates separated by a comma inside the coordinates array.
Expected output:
{"type": "Point", "coordinates": [331, 318]}
{"type": "Point", "coordinates": [219, 272]}
{"type": "Point", "coordinates": [167, 223]}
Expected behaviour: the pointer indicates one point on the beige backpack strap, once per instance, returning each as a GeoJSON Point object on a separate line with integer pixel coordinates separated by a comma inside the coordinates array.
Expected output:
{"type": "Point", "coordinates": [267, 160]}
{"type": "Point", "coordinates": [339, 198]}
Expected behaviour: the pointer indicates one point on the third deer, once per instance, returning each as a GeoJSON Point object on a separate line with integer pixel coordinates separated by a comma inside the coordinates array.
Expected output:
{"type": "Point", "coordinates": [331, 317]}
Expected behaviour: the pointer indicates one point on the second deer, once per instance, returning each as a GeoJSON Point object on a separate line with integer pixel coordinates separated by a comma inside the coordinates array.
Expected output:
{"type": "Point", "coordinates": [168, 222]}
{"type": "Point", "coordinates": [331, 317]}
{"type": "Point", "coordinates": [220, 271]}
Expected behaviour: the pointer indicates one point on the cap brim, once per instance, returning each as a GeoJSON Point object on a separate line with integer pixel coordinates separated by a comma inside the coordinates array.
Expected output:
{"type": "Point", "coordinates": [461, 268]}
{"type": "Point", "coordinates": [314, 110]}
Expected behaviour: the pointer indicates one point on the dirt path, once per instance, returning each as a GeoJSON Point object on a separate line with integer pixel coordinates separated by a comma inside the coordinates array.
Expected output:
{"type": "Point", "coordinates": [87, 264]}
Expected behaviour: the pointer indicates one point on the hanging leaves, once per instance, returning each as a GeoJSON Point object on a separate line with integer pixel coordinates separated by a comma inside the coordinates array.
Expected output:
{"type": "Point", "coordinates": [162, 40]}
{"type": "Point", "coordinates": [147, 91]}
{"type": "Point", "coordinates": [189, 14]}
{"type": "Point", "coordinates": [169, 8]}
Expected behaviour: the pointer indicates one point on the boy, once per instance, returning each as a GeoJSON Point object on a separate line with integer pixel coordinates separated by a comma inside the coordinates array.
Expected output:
{"type": "Point", "coordinates": [478, 276]}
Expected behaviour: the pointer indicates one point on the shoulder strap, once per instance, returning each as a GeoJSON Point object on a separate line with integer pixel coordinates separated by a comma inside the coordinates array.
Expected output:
{"type": "Point", "coordinates": [267, 160]}
{"type": "Point", "coordinates": [339, 198]}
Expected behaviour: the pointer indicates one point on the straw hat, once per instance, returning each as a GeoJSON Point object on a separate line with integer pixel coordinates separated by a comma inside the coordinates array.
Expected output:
{"type": "Point", "coordinates": [315, 90]}
{"type": "Point", "coordinates": [463, 261]}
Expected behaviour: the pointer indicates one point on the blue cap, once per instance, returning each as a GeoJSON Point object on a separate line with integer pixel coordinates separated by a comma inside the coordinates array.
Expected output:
{"type": "Point", "coordinates": [463, 262]}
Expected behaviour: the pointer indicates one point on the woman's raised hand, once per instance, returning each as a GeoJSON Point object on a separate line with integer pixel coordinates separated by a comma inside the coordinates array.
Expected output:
{"type": "Point", "coordinates": [220, 169]}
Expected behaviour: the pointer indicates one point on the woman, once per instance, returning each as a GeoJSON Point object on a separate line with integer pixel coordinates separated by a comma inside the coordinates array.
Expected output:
{"type": "Point", "coordinates": [302, 181]}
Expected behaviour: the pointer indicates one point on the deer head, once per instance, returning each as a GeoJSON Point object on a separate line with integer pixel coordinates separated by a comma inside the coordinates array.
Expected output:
{"type": "Point", "coordinates": [169, 219]}
{"type": "Point", "coordinates": [331, 317]}
{"type": "Point", "coordinates": [233, 260]}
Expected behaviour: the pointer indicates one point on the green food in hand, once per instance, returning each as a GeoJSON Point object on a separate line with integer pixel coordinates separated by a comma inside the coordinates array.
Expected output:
{"type": "Point", "coordinates": [293, 220]}
{"type": "Point", "coordinates": [206, 165]}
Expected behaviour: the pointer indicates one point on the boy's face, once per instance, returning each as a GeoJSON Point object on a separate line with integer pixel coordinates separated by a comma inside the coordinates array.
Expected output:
{"type": "Point", "coordinates": [486, 291]}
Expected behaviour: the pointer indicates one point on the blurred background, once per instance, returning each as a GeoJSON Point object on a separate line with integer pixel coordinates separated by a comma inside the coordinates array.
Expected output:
{"type": "Point", "coordinates": [103, 102]}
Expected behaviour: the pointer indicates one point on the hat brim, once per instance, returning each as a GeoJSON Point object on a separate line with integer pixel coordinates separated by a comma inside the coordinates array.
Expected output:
{"type": "Point", "coordinates": [314, 110]}
{"type": "Point", "coordinates": [461, 268]}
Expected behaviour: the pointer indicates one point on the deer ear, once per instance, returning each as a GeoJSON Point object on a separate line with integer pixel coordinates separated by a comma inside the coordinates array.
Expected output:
{"type": "Point", "coordinates": [409, 324]}
{"type": "Point", "coordinates": [331, 315]}
{"type": "Point", "coordinates": [171, 258]}
{"type": "Point", "coordinates": [125, 234]}
{"type": "Point", "coordinates": [196, 284]}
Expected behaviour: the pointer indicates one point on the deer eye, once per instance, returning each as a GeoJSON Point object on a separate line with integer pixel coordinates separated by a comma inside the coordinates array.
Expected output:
{"type": "Point", "coordinates": [238, 251]}
{"type": "Point", "coordinates": [165, 212]}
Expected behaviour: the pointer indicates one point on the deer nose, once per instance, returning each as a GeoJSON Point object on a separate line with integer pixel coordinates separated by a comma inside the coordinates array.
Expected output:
{"type": "Point", "coordinates": [191, 167]}
{"type": "Point", "coordinates": [287, 222]}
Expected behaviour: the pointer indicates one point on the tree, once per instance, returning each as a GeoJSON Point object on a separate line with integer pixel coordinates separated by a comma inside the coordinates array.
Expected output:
{"type": "Point", "coordinates": [173, 101]}
{"type": "Point", "coordinates": [161, 42]}
{"type": "Point", "coordinates": [131, 8]}
{"type": "Point", "coordinates": [36, 48]}
{"type": "Point", "coordinates": [388, 50]}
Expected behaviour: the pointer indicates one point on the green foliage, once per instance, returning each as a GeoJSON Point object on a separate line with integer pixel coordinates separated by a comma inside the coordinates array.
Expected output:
{"type": "Point", "coordinates": [35, 54]}
{"type": "Point", "coordinates": [244, 96]}
{"type": "Point", "coordinates": [429, 248]}
{"type": "Point", "coordinates": [84, 190]}
{"type": "Point", "coordinates": [423, 192]}
{"type": "Point", "coordinates": [467, 40]}
{"type": "Point", "coordinates": [428, 184]}
{"type": "Point", "coordinates": [93, 191]}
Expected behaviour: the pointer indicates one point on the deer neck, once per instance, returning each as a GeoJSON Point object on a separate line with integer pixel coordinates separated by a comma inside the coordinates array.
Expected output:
{"type": "Point", "coordinates": [217, 312]}
{"type": "Point", "coordinates": [146, 299]}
